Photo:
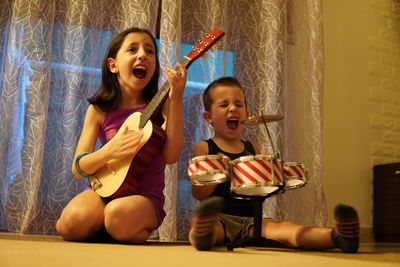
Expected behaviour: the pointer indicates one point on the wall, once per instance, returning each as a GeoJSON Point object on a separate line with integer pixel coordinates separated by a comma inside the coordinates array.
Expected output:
{"type": "Point", "coordinates": [361, 99]}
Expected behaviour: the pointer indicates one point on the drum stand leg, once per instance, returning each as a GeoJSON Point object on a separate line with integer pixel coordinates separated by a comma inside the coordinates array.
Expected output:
{"type": "Point", "coordinates": [257, 240]}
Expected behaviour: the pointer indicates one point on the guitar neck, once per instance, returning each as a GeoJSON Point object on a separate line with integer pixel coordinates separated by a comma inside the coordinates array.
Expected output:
{"type": "Point", "coordinates": [159, 97]}
{"type": "Point", "coordinates": [203, 45]}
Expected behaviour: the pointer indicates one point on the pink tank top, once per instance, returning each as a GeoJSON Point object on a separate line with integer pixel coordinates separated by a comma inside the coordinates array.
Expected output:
{"type": "Point", "coordinates": [152, 184]}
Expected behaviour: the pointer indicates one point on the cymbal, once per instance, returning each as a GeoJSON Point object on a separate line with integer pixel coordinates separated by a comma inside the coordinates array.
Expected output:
{"type": "Point", "coordinates": [261, 119]}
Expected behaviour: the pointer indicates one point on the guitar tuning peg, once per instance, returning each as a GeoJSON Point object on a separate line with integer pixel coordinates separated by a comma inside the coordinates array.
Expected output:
{"type": "Point", "coordinates": [204, 56]}
{"type": "Point", "coordinates": [212, 49]}
{"type": "Point", "coordinates": [220, 44]}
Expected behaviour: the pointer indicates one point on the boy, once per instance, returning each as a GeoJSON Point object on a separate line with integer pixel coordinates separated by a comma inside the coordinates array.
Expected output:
{"type": "Point", "coordinates": [220, 217]}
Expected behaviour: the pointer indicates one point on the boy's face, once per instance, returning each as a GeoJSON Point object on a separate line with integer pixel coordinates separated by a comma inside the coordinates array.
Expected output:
{"type": "Point", "coordinates": [227, 110]}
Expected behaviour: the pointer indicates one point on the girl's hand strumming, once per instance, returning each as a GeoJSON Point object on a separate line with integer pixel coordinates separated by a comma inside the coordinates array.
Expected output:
{"type": "Point", "coordinates": [124, 144]}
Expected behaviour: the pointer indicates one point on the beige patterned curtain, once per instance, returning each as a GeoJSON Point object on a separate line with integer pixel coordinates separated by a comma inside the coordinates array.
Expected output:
{"type": "Point", "coordinates": [51, 54]}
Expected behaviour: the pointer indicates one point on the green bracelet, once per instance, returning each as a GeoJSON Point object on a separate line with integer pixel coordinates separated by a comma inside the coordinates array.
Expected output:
{"type": "Point", "coordinates": [81, 173]}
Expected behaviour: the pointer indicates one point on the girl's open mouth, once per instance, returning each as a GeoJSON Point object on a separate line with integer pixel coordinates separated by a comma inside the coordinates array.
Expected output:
{"type": "Point", "coordinates": [139, 72]}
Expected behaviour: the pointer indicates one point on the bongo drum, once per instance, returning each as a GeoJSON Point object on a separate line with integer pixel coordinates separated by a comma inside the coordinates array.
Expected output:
{"type": "Point", "coordinates": [296, 174]}
{"type": "Point", "coordinates": [256, 175]}
{"type": "Point", "coordinates": [208, 169]}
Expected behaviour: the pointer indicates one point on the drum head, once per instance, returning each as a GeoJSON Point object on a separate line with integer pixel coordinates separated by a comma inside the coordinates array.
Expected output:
{"type": "Point", "coordinates": [254, 189]}
{"type": "Point", "coordinates": [208, 178]}
{"type": "Point", "coordinates": [294, 183]}
{"type": "Point", "coordinates": [296, 175]}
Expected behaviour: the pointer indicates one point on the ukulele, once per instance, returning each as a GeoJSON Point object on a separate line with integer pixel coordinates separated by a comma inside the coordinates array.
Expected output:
{"type": "Point", "coordinates": [119, 178]}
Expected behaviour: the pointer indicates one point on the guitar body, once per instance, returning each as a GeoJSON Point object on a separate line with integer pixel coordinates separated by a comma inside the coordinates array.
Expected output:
{"type": "Point", "coordinates": [119, 178]}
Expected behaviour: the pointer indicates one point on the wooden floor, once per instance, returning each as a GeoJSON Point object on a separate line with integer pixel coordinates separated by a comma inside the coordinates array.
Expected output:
{"type": "Point", "coordinates": [38, 250]}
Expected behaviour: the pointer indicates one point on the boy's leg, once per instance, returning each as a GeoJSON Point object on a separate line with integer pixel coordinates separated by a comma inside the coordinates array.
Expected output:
{"type": "Point", "coordinates": [346, 233]}
{"type": "Point", "coordinates": [206, 214]}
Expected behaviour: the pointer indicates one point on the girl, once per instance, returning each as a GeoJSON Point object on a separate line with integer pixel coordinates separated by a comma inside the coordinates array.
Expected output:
{"type": "Point", "coordinates": [130, 73]}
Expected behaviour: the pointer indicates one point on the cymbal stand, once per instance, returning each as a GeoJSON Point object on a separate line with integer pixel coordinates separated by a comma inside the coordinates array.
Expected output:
{"type": "Point", "coordinates": [269, 137]}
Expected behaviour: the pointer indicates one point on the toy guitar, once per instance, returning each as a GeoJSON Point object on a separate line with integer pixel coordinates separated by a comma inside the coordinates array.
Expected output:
{"type": "Point", "coordinates": [118, 178]}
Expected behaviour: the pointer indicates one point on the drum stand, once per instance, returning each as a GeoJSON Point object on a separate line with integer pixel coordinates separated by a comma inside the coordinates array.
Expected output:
{"type": "Point", "coordinates": [257, 240]}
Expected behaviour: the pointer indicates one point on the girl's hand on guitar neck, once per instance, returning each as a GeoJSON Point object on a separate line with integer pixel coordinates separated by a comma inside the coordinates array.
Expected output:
{"type": "Point", "coordinates": [177, 80]}
{"type": "Point", "coordinates": [124, 144]}
{"type": "Point", "coordinates": [172, 111]}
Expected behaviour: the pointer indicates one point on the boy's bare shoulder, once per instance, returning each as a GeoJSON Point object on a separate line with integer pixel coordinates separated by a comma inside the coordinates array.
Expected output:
{"type": "Point", "coordinates": [201, 148]}
{"type": "Point", "coordinates": [258, 148]}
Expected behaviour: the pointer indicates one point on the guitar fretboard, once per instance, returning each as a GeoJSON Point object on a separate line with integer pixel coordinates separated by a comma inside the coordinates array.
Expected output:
{"type": "Point", "coordinates": [159, 97]}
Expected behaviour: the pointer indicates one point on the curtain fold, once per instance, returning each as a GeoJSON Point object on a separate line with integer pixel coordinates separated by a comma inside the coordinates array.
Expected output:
{"type": "Point", "coordinates": [51, 54]}
{"type": "Point", "coordinates": [170, 41]}
{"type": "Point", "coordinates": [303, 115]}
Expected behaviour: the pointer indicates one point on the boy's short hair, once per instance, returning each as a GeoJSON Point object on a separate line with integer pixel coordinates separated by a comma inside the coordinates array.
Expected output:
{"type": "Point", "coordinates": [224, 81]}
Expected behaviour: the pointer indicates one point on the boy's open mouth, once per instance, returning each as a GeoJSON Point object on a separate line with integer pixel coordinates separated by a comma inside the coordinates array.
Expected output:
{"type": "Point", "coordinates": [140, 72]}
{"type": "Point", "coordinates": [232, 123]}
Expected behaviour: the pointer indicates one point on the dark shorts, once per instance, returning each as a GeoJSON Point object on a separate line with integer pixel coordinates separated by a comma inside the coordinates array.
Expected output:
{"type": "Point", "coordinates": [235, 227]}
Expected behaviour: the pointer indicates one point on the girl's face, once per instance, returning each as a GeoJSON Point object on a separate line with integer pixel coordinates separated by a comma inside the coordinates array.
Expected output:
{"type": "Point", "coordinates": [135, 62]}
{"type": "Point", "coordinates": [228, 109]}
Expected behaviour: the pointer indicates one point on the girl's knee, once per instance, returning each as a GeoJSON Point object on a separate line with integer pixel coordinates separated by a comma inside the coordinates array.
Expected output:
{"type": "Point", "coordinates": [69, 230]}
{"type": "Point", "coordinates": [131, 235]}
{"type": "Point", "coordinates": [130, 222]}
{"type": "Point", "coordinates": [124, 229]}
{"type": "Point", "coordinates": [61, 228]}
{"type": "Point", "coordinates": [76, 224]}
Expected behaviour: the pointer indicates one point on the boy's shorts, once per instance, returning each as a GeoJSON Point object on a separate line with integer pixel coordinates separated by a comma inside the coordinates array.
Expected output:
{"type": "Point", "coordinates": [235, 227]}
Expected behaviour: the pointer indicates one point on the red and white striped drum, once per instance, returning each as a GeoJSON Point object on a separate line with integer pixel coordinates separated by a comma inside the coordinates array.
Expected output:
{"type": "Point", "coordinates": [208, 169]}
{"type": "Point", "coordinates": [256, 175]}
{"type": "Point", "coordinates": [296, 174]}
